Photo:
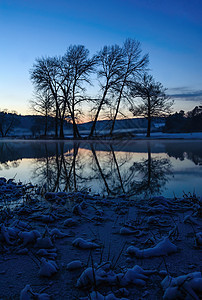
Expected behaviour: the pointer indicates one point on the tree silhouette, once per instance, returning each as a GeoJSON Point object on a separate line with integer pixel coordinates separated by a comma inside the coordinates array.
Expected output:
{"type": "Point", "coordinates": [64, 78]}
{"type": "Point", "coordinates": [110, 60]}
{"type": "Point", "coordinates": [132, 68]}
{"type": "Point", "coordinates": [45, 77]}
{"type": "Point", "coordinates": [43, 105]}
{"type": "Point", "coordinates": [153, 100]}
{"type": "Point", "coordinates": [8, 121]}
{"type": "Point", "coordinates": [75, 70]}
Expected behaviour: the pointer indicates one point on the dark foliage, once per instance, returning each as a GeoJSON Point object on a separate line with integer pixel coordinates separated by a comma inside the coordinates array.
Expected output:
{"type": "Point", "coordinates": [8, 121]}
{"type": "Point", "coordinates": [181, 122]}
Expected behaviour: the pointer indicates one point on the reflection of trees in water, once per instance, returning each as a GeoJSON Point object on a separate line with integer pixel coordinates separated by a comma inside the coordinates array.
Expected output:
{"type": "Point", "coordinates": [152, 175]}
{"type": "Point", "coordinates": [101, 172]}
{"type": "Point", "coordinates": [112, 172]}
{"type": "Point", "coordinates": [121, 172]}
{"type": "Point", "coordinates": [44, 169]}
{"type": "Point", "coordinates": [197, 159]}
{"type": "Point", "coordinates": [106, 167]}
{"type": "Point", "coordinates": [109, 168]}
{"type": "Point", "coordinates": [62, 172]}
{"type": "Point", "coordinates": [7, 150]}
{"type": "Point", "coordinates": [9, 165]}
{"type": "Point", "coordinates": [72, 170]}
{"type": "Point", "coordinates": [78, 170]}
{"type": "Point", "coordinates": [186, 149]}
{"type": "Point", "coordinates": [121, 175]}
{"type": "Point", "coordinates": [120, 180]}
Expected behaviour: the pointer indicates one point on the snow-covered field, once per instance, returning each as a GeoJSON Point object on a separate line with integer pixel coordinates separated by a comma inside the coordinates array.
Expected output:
{"type": "Point", "coordinates": [78, 246]}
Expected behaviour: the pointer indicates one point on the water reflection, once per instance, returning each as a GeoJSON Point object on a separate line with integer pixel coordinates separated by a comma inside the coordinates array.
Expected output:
{"type": "Point", "coordinates": [191, 150]}
{"type": "Point", "coordinates": [153, 173]}
{"type": "Point", "coordinates": [121, 174]}
{"type": "Point", "coordinates": [132, 168]}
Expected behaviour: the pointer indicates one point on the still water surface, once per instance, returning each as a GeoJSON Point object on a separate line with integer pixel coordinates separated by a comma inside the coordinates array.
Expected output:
{"type": "Point", "coordinates": [140, 168]}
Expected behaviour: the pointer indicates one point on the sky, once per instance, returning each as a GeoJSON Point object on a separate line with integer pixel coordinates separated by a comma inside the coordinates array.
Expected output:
{"type": "Point", "coordinates": [169, 30]}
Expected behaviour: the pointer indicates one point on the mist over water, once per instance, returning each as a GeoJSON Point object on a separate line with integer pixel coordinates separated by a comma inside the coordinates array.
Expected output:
{"type": "Point", "coordinates": [134, 168]}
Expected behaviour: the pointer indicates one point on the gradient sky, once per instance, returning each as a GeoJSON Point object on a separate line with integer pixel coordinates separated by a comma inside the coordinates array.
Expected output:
{"type": "Point", "coordinates": [169, 30]}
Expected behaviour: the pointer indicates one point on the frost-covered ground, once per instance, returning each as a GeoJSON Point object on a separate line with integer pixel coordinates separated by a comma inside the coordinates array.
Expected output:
{"type": "Point", "coordinates": [78, 246]}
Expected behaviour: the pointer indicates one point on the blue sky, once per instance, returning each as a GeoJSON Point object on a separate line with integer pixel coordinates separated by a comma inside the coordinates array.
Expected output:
{"type": "Point", "coordinates": [170, 31]}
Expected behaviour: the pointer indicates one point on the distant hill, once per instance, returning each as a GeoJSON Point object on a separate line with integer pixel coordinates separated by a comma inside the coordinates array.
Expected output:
{"type": "Point", "coordinates": [119, 124]}
{"type": "Point", "coordinates": [135, 124]}
{"type": "Point", "coordinates": [33, 125]}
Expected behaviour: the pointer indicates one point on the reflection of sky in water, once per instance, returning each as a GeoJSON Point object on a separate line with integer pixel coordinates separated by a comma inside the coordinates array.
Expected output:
{"type": "Point", "coordinates": [187, 178]}
{"type": "Point", "coordinates": [21, 172]}
{"type": "Point", "coordinates": [186, 175]}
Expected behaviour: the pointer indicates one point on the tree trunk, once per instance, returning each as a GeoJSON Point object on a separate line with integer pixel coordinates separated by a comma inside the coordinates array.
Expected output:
{"type": "Point", "coordinates": [149, 117]}
{"type": "Point", "coordinates": [114, 120]}
{"type": "Point", "coordinates": [56, 124]}
{"type": "Point", "coordinates": [75, 130]}
{"type": "Point", "coordinates": [98, 111]}
{"type": "Point", "coordinates": [61, 129]}
{"type": "Point", "coordinates": [1, 131]}
{"type": "Point", "coordinates": [148, 126]}
{"type": "Point", "coordinates": [117, 108]}
{"type": "Point", "coordinates": [54, 93]}
{"type": "Point", "coordinates": [46, 125]}
{"type": "Point", "coordinates": [75, 127]}
{"type": "Point", "coordinates": [73, 120]}
{"type": "Point", "coordinates": [149, 165]}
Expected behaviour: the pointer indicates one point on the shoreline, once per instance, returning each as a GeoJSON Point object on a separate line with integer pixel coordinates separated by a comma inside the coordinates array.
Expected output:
{"type": "Point", "coordinates": [135, 137]}
{"type": "Point", "coordinates": [51, 241]}
{"type": "Point", "coordinates": [154, 138]}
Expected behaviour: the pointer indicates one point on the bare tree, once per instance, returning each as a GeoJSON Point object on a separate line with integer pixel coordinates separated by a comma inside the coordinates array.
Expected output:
{"type": "Point", "coordinates": [8, 121]}
{"type": "Point", "coordinates": [110, 60]}
{"type": "Point", "coordinates": [153, 102]}
{"type": "Point", "coordinates": [75, 70]}
{"type": "Point", "coordinates": [132, 68]}
{"type": "Point", "coordinates": [43, 105]}
{"type": "Point", "coordinates": [44, 75]}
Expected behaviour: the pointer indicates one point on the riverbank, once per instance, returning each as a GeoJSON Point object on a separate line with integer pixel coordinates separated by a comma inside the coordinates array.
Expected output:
{"type": "Point", "coordinates": [119, 136]}
{"type": "Point", "coordinates": [81, 246]}
{"type": "Point", "coordinates": [185, 136]}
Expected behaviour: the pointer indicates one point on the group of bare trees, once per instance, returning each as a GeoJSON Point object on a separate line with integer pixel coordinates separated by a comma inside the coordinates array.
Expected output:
{"type": "Point", "coordinates": [61, 82]}
{"type": "Point", "coordinates": [61, 85]}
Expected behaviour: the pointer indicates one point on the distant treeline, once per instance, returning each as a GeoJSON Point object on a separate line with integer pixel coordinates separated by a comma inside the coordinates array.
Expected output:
{"type": "Point", "coordinates": [12, 124]}
{"type": "Point", "coordinates": [185, 122]}
{"type": "Point", "coordinates": [34, 125]}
